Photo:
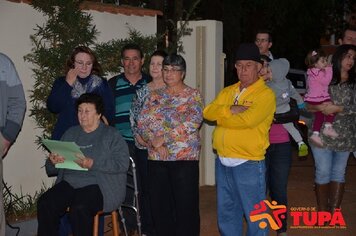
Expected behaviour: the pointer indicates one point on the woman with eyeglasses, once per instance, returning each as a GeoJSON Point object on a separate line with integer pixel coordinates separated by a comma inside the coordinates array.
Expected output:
{"type": "Point", "coordinates": [169, 123]}
{"type": "Point", "coordinates": [82, 75]}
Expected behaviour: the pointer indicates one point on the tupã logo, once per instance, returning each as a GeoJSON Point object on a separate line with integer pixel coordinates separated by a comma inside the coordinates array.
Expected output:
{"type": "Point", "coordinates": [261, 213]}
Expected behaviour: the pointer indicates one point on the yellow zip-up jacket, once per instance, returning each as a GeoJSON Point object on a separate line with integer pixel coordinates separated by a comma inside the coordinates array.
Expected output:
{"type": "Point", "coordinates": [243, 135]}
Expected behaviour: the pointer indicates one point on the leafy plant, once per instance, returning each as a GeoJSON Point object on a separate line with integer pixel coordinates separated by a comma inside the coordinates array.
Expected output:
{"type": "Point", "coordinates": [177, 25]}
{"type": "Point", "coordinates": [19, 207]}
{"type": "Point", "coordinates": [66, 27]}
{"type": "Point", "coordinates": [109, 53]}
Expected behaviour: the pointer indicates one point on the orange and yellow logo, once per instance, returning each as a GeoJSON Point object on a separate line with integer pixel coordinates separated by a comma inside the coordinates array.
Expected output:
{"type": "Point", "coordinates": [274, 220]}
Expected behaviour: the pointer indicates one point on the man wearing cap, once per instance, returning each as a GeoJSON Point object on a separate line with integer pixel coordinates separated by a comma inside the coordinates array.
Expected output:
{"type": "Point", "coordinates": [243, 113]}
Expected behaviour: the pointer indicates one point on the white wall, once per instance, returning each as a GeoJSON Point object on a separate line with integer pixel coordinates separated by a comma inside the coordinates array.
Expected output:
{"type": "Point", "coordinates": [22, 165]}
{"type": "Point", "coordinates": [112, 26]}
{"type": "Point", "coordinates": [204, 57]}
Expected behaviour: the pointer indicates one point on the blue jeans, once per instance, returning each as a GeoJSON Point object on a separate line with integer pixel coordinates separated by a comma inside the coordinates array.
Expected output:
{"type": "Point", "coordinates": [278, 164]}
{"type": "Point", "coordinates": [329, 165]}
{"type": "Point", "coordinates": [239, 188]}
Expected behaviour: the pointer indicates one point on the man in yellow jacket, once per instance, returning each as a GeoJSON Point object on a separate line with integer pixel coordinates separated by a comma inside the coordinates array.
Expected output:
{"type": "Point", "coordinates": [243, 113]}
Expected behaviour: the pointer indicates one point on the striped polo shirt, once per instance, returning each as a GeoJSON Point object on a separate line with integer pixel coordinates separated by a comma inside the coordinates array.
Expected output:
{"type": "Point", "coordinates": [124, 92]}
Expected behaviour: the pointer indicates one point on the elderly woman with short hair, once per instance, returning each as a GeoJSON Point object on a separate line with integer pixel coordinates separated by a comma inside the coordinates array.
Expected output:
{"type": "Point", "coordinates": [169, 122]}
{"type": "Point", "coordinates": [102, 187]}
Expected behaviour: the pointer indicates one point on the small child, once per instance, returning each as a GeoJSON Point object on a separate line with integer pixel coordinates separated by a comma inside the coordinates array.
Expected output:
{"type": "Point", "coordinates": [265, 71]}
{"type": "Point", "coordinates": [284, 90]}
{"type": "Point", "coordinates": [319, 76]}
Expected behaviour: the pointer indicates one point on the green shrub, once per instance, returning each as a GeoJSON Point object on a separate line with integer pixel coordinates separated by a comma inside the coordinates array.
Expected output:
{"type": "Point", "coordinates": [19, 207]}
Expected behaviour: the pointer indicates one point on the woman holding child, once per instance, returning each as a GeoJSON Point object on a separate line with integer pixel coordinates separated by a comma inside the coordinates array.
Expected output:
{"type": "Point", "coordinates": [331, 158]}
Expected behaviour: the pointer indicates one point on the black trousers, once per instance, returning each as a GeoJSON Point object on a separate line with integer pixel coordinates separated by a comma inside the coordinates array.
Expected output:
{"type": "Point", "coordinates": [174, 196]}
{"type": "Point", "coordinates": [143, 194]}
{"type": "Point", "coordinates": [84, 203]}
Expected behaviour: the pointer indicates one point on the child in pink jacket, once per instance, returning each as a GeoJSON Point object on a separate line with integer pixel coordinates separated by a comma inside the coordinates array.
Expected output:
{"type": "Point", "coordinates": [319, 76]}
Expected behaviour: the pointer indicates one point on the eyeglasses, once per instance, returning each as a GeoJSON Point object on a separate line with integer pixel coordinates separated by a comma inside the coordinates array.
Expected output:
{"type": "Point", "coordinates": [261, 40]}
{"type": "Point", "coordinates": [82, 64]}
{"type": "Point", "coordinates": [172, 70]}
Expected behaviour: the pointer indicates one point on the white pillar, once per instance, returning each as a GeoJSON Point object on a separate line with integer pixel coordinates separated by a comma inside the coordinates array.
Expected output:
{"type": "Point", "coordinates": [205, 71]}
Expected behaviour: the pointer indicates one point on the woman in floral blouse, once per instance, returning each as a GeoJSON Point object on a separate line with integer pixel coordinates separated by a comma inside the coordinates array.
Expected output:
{"type": "Point", "coordinates": [169, 123]}
{"type": "Point", "coordinates": [143, 93]}
{"type": "Point", "coordinates": [155, 69]}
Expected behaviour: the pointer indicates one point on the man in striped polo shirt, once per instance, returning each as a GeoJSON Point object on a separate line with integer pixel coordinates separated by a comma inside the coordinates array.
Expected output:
{"type": "Point", "coordinates": [124, 88]}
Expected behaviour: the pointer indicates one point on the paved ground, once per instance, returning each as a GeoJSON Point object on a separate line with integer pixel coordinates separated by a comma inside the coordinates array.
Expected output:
{"type": "Point", "coordinates": [300, 194]}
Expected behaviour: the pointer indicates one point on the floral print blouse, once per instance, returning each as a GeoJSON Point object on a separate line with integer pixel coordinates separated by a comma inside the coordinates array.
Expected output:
{"type": "Point", "coordinates": [136, 107]}
{"type": "Point", "coordinates": [344, 124]}
{"type": "Point", "coordinates": [176, 117]}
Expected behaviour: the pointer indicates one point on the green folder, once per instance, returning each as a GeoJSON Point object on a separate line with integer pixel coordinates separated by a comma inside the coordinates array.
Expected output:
{"type": "Point", "coordinates": [66, 149]}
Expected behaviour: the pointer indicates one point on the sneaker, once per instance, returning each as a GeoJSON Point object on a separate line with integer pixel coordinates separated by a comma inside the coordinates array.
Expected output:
{"type": "Point", "coordinates": [316, 140]}
{"type": "Point", "coordinates": [302, 150]}
{"type": "Point", "coordinates": [330, 132]}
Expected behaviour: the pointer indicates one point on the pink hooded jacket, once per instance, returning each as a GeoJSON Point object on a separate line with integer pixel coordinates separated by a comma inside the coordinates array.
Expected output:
{"type": "Point", "coordinates": [317, 84]}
